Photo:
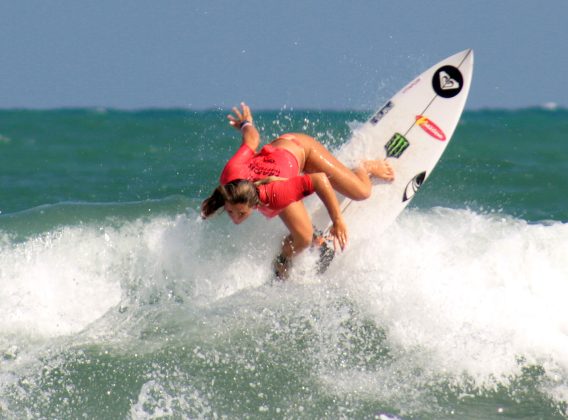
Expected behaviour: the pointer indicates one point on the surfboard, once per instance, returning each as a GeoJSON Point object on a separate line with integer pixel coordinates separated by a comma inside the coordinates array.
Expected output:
{"type": "Point", "coordinates": [411, 130]}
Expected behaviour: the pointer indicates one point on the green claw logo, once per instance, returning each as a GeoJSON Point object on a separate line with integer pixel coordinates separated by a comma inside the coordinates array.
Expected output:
{"type": "Point", "coordinates": [396, 145]}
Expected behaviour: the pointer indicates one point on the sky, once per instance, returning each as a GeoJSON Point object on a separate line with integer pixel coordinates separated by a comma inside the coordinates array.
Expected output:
{"type": "Point", "coordinates": [274, 54]}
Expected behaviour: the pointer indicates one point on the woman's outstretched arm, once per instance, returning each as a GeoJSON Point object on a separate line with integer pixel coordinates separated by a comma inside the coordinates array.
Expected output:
{"type": "Point", "coordinates": [242, 121]}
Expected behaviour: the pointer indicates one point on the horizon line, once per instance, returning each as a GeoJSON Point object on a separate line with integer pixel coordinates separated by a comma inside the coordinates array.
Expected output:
{"type": "Point", "coordinates": [550, 106]}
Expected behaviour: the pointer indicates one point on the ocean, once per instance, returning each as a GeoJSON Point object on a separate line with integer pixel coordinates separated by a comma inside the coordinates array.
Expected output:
{"type": "Point", "coordinates": [118, 302]}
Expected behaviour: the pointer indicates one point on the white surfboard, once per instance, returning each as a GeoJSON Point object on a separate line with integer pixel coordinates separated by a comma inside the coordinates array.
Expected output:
{"type": "Point", "coordinates": [411, 130]}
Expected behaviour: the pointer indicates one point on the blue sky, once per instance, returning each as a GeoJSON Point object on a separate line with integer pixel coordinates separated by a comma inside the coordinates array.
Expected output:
{"type": "Point", "coordinates": [322, 54]}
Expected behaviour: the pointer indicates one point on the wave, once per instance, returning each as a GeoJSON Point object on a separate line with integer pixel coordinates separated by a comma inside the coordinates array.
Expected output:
{"type": "Point", "coordinates": [474, 289]}
{"type": "Point", "coordinates": [452, 297]}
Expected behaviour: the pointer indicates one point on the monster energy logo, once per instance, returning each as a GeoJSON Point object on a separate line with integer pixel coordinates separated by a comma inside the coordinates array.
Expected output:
{"type": "Point", "coordinates": [396, 145]}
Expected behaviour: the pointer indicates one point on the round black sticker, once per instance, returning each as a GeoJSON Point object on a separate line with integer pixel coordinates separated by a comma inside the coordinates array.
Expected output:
{"type": "Point", "coordinates": [447, 81]}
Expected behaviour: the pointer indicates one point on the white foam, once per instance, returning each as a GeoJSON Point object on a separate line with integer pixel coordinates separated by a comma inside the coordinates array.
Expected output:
{"type": "Point", "coordinates": [159, 400]}
{"type": "Point", "coordinates": [62, 281]}
{"type": "Point", "coordinates": [55, 284]}
{"type": "Point", "coordinates": [475, 292]}
{"type": "Point", "coordinates": [470, 293]}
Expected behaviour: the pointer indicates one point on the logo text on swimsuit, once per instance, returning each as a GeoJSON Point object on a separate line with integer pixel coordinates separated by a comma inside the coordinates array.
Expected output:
{"type": "Point", "coordinates": [396, 145]}
{"type": "Point", "coordinates": [432, 129]}
{"type": "Point", "coordinates": [382, 112]}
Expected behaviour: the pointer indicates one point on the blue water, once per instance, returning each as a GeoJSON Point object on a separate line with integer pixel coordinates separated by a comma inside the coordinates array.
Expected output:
{"type": "Point", "coordinates": [119, 302]}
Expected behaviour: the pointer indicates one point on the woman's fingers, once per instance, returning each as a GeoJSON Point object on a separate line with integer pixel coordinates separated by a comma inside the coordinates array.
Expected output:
{"type": "Point", "coordinates": [342, 238]}
{"type": "Point", "coordinates": [240, 115]}
{"type": "Point", "coordinates": [237, 112]}
{"type": "Point", "coordinates": [339, 232]}
{"type": "Point", "coordinates": [339, 243]}
{"type": "Point", "coordinates": [246, 111]}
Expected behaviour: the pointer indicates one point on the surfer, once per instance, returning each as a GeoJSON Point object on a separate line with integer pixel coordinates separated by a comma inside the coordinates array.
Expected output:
{"type": "Point", "coordinates": [277, 178]}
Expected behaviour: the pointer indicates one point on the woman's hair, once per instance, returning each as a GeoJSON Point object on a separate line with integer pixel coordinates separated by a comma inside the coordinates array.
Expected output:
{"type": "Point", "coordinates": [239, 191]}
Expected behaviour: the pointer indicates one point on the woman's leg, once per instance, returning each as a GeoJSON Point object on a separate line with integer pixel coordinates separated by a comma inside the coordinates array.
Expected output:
{"type": "Point", "coordinates": [355, 183]}
{"type": "Point", "coordinates": [297, 220]}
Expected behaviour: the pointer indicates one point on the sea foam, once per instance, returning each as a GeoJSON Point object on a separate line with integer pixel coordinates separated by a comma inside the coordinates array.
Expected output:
{"type": "Point", "coordinates": [478, 294]}
{"type": "Point", "coordinates": [456, 292]}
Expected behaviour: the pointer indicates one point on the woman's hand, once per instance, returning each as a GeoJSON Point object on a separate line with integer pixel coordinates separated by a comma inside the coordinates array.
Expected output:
{"type": "Point", "coordinates": [325, 192]}
{"type": "Point", "coordinates": [339, 232]}
{"type": "Point", "coordinates": [239, 116]}
{"type": "Point", "coordinates": [242, 121]}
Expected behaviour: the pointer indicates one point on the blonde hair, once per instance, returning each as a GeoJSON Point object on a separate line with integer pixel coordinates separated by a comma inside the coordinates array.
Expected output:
{"type": "Point", "coordinates": [239, 191]}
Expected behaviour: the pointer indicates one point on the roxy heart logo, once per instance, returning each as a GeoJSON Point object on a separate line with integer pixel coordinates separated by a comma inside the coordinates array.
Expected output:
{"type": "Point", "coordinates": [447, 81]}
{"type": "Point", "coordinates": [430, 127]}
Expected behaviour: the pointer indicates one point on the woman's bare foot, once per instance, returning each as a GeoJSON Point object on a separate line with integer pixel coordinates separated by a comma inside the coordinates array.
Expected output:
{"type": "Point", "coordinates": [380, 169]}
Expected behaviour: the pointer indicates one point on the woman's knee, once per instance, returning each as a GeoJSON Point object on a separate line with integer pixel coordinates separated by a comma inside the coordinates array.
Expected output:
{"type": "Point", "coordinates": [361, 193]}
{"type": "Point", "coordinates": [357, 190]}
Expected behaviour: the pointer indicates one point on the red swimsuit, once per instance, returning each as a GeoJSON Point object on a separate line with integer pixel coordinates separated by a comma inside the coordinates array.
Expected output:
{"type": "Point", "coordinates": [270, 161]}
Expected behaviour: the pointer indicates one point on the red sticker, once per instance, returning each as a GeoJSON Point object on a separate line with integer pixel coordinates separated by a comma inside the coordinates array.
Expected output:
{"type": "Point", "coordinates": [431, 128]}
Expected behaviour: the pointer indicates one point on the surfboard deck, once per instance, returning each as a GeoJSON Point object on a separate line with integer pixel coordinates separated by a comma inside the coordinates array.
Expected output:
{"type": "Point", "coordinates": [411, 130]}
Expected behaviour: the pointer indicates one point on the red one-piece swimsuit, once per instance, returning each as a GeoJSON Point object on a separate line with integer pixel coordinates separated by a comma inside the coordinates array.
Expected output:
{"type": "Point", "coordinates": [270, 161]}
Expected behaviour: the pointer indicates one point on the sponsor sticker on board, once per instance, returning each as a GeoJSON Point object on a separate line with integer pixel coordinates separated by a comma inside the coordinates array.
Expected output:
{"type": "Point", "coordinates": [447, 81]}
{"type": "Point", "coordinates": [413, 186]}
{"type": "Point", "coordinates": [430, 127]}
{"type": "Point", "coordinates": [382, 112]}
{"type": "Point", "coordinates": [396, 145]}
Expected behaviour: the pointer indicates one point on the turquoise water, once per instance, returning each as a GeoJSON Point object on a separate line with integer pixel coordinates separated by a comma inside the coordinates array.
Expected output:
{"type": "Point", "coordinates": [119, 302]}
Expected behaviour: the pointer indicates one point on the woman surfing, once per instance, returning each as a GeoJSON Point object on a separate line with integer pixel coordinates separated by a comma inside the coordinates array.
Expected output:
{"type": "Point", "coordinates": [276, 179]}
